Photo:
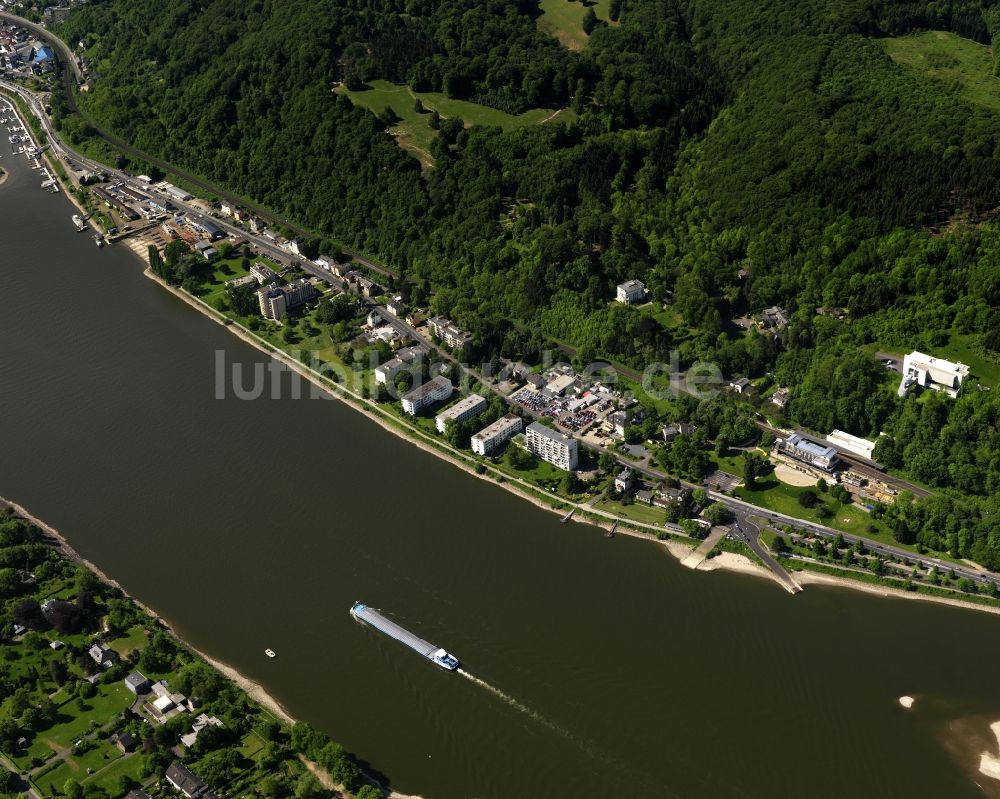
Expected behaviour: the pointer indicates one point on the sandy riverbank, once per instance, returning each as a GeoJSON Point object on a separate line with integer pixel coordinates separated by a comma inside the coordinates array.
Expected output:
{"type": "Point", "coordinates": [253, 689]}
{"type": "Point", "coordinates": [4, 174]}
{"type": "Point", "coordinates": [804, 577]}
{"type": "Point", "coordinates": [989, 763]}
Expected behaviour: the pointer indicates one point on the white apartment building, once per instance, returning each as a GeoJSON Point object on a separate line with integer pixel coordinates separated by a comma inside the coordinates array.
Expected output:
{"type": "Point", "coordinates": [491, 437]}
{"type": "Point", "coordinates": [276, 301]}
{"type": "Point", "coordinates": [631, 292]}
{"type": "Point", "coordinates": [551, 446]}
{"type": "Point", "coordinates": [465, 408]}
{"type": "Point", "coordinates": [434, 390]}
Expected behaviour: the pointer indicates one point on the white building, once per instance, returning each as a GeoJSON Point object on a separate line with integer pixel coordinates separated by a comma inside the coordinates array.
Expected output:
{"type": "Point", "coordinates": [434, 390]}
{"type": "Point", "coordinates": [385, 373]}
{"type": "Point", "coordinates": [465, 408]}
{"type": "Point", "coordinates": [631, 292]}
{"type": "Point", "coordinates": [451, 335]}
{"type": "Point", "coordinates": [929, 372]}
{"type": "Point", "coordinates": [802, 448]}
{"type": "Point", "coordinates": [263, 273]}
{"type": "Point", "coordinates": [858, 446]}
{"type": "Point", "coordinates": [491, 437]}
{"type": "Point", "coordinates": [277, 301]}
{"type": "Point", "coordinates": [552, 446]}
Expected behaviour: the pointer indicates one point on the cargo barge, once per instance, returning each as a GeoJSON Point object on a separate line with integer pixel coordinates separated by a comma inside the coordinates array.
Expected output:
{"type": "Point", "coordinates": [433, 653]}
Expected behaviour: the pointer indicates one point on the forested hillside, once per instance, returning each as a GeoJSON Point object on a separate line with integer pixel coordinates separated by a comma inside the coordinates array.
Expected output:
{"type": "Point", "coordinates": [733, 155]}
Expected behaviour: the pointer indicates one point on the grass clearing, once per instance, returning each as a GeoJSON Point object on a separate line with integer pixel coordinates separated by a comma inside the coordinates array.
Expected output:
{"type": "Point", "coordinates": [959, 65]}
{"type": "Point", "coordinates": [563, 19]}
{"type": "Point", "coordinates": [413, 131]}
{"type": "Point", "coordinates": [636, 511]}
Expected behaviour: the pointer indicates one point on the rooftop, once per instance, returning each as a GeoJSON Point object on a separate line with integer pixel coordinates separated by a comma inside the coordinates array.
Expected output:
{"type": "Point", "coordinates": [548, 432]}
{"type": "Point", "coordinates": [432, 385]}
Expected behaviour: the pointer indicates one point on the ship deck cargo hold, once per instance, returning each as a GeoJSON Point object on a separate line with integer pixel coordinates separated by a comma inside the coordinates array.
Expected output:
{"type": "Point", "coordinates": [373, 618]}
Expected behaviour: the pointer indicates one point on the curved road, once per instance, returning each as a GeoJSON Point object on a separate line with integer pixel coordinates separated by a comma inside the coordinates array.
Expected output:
{"type": "Point", "coordinates": [63, 49]}
{"type": "Point", "coordinates": [67, 57]}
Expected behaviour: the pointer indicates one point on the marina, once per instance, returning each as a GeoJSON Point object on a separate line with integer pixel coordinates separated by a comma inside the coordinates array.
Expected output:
{"type": "Point", "coordinates": [433, 653]}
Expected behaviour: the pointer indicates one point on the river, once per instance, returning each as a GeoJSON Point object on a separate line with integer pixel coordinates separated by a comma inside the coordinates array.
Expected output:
{"type": "Point", "coordinates": [253, 524]}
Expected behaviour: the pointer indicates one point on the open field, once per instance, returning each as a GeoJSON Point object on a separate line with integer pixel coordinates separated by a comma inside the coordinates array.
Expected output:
{"type": "Point", "coordinates": [636, 511]}
{"type": "Point", "coordinates": [414, 133]}
{"type": "Point", "coordinates": [961, 65]}
{"type": "Point", "coordinates": [563, 19]}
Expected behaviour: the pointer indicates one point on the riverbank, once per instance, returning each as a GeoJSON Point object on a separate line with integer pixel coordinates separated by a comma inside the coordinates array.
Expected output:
{"type": "Point", "coordinates": [62, 545]}
{"type": "Point", "coordinates": [679, 549]}
{"type": "Point", "coordinates": [253, 689]}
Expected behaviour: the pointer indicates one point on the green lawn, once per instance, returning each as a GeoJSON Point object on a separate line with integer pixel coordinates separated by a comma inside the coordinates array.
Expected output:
{"type": "Point", "coordinates": [413, 132]}
{"type": "Point", "coordinates": [637, 511]}
{"type": "Point", "coordinates": [134, 638]}
{"type": "Point", "coordinates": [73, 767]}
{"type": "Point", "coordinates": [563, 19]}
{"type": "Point", "coordinates": [775, 495]}
{"type": "Point", "coordinates": [123, 766]}
{"type": "Point", "coordinates": [958, 64]}
{"type": "Point", "coordinates": [109, 701]}
{"type": "Point", "coordinates": [961, 348]}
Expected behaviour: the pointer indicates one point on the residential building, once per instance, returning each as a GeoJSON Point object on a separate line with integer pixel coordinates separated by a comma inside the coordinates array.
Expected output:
{"type": "Point", "coordinates": [938, 374]}
{"type": "Point", "coordinates": [201, 722]}
{"type": "Point", "coordinates": [103, 655]}
{"type": "Point", "coordinates": [434, 390]}
{"type": "Point", "coordinates": [367, 286]}
{"type": "Point", "coordinates": [853, 444]}
{"type": "Point", "coordinates": [624, 481]}
{"type": "Point", "coordinates": [263, 273]}
{"type": "Point", "coordinates": [645, 496]}
{"type": "Point", "coordinates": [277, 301]}
{"type": "Point", "coordinates": [631, 291]}
{"type": "Point", "coordinates": [552, 446]}
{"type": "Point", "coordinates": [444, 329]}
{"type": "Point", "coordinates": [386, 373]}
{"type": "Point", "coordinates": [187, 782]}
{"type": "Point", "coordinates": [491, 437]}
{"type": "Point", "coordinates": [808, 450]}
{"type": "Point", "coordinates": [534, 379]}
{"type": "Point", "coordinates": [618, 422]}
{"type": "Point", "coordinates": [126, 743]}
{"type": "Point", "coordinates": [466, 408]}
{"type": "Point", "coordinates": [780, 397]}
{"type": "Point", "coordinates": [226, 209]}
{"type": "Point", "coordinates": [236, 282]}
{"type": "Point", "coordinates": [668, 495]}
{"type": "Point", "coordinates": [56, 645]}
{"type": "Point", "coordinates": [671, 431]}
{"type": "Point", "coordinates": [774, 318]}
{"type": "Point", "coordinates": [396, 307]}
{"type": "Point", "coordinates": [740, 385]}
{"type": "Point", "coordinates": [137, 683]}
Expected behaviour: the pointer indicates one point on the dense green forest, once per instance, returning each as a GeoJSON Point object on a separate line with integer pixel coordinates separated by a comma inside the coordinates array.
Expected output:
{"type": "Point", "coordinates": [731, 155]}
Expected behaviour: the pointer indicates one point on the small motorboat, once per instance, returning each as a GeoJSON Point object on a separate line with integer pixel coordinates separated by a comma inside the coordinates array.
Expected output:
{"type": "Point", "coordinates": [270, 653]}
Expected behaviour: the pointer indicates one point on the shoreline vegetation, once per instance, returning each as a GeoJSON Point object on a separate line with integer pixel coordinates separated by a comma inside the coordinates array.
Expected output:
{"type": "Point", "coordinates": [58, 542]}
{"type": "Point", "coordinates": [677, 545]}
